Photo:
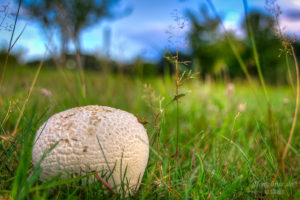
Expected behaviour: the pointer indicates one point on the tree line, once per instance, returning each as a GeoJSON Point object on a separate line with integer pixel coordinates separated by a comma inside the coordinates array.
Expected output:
{"type": "Point", "coordinates": [208, 52]}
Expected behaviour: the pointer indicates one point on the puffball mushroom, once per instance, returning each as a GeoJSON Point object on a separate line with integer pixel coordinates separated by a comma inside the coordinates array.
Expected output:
{"type": "Point", "coordinates": [93, 138]}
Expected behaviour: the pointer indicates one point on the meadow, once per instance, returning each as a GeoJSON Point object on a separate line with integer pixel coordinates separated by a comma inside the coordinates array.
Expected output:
{"type": "Point", "coordinates": [233, 137]}
{"type": "Point", "coordinates": [230, 141]}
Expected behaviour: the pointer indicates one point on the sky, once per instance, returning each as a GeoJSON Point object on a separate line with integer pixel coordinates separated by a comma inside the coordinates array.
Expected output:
{"type": "Point", "coordinates": [143, 32]}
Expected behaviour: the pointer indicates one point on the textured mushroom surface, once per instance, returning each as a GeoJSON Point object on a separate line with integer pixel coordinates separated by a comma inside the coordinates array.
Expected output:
{"type": "Point", "coordinates": [93, 138]}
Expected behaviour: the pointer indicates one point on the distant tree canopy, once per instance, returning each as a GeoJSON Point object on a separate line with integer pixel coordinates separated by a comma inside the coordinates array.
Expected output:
{"type": "Point", "coordinates": [212, 54]}
{"type": "Point", "coordinates": [71, 17]}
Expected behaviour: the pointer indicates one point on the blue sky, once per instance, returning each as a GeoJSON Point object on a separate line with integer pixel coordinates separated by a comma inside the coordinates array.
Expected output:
{"type": "Point", "coordinates": [142, 33]}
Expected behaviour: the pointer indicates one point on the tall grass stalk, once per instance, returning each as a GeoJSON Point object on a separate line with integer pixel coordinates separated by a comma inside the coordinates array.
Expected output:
{"type": "Point", "coordinates": [177, 103]}
{"type": "Point", "coordinates": [11, 43]}
{"type": "Point", "coordinates": [233, 47]}
{"type": "Point", "coordinates": [292, 130]}
{"type": "Point", "coordinates": [32, 84]}
{"type": "Point", "coordinates": [255, 53]}
{"type": "Point", "coordinates": [291, 133]}
{"type": "Point", "coordinates": [272, 122]}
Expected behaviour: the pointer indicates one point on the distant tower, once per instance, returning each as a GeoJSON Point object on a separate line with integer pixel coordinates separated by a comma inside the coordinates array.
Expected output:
{"type": "Point", "coordinates": [107, 41]}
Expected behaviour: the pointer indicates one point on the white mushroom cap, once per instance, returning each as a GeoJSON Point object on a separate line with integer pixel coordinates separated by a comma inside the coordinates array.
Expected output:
{"type": "Point", "coordinates": [93, 138]}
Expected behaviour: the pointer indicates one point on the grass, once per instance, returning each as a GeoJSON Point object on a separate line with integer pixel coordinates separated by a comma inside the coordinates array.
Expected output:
{"type": "Point", "coordinates": [222, 154]}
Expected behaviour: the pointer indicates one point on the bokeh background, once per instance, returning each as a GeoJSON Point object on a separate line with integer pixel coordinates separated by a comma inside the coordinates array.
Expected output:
{"type": "Point", "coordinates": [135, 33]}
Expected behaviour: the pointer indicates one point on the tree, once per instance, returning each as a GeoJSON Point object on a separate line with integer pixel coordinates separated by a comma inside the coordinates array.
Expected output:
{"type": "Point", "coordinates": [212, 54]}
{"type": "Point", "coordinates": [71, 17]}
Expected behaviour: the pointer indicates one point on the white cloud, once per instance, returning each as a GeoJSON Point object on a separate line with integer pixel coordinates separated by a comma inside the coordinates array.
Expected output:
{"type": "Point", "coordinates": [290, 26]}
{"type": "Point", "coordinates": [288, 4]}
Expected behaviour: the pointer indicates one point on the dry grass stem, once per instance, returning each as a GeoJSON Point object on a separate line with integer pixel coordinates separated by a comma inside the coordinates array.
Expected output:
{"type": "Point", "coordinates": [32, 85]}
{"type": "Point", "coordinates": [295, 114]}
